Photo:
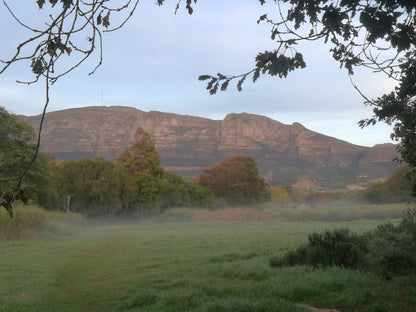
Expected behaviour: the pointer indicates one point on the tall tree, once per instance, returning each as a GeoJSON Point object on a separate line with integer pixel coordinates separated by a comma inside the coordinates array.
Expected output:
{"type": "Point", "coordinates": [142, 162]}
{"type": "Point", "coordinates": [236, 180]}
{"type": "Point", "coordinates": [141, 156]}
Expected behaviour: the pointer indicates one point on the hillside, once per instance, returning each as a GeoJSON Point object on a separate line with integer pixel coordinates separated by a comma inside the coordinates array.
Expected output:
{"type": "Point", "coordinates": [285, 154]}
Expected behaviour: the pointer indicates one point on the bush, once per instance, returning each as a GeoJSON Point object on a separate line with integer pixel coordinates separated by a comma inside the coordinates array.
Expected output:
{"type": "Point", "coordinates": [339, 247]}
{"type": "Point", "coordinates": [392, 249]}
{"type": "Point", "coordinates": [388, 249]}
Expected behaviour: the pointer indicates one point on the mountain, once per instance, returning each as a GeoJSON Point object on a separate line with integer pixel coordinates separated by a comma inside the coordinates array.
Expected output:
{"type": "Point", "coordinates": [286, 154]}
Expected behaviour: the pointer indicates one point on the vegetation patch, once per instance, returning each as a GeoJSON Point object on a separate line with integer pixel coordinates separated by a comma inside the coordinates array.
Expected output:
{"type": "Point", "coordinates": [389, 249]}
{"type": "Point", "coordinates": [30, 221]}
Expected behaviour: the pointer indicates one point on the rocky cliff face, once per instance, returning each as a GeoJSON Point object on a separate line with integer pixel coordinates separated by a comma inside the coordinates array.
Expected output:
{"type": "Point", "coordinates": [285, 153]}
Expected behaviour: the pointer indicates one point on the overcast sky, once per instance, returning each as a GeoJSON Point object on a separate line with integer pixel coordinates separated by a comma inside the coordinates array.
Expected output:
{"type": "Point", "coordinates": [153, 63]}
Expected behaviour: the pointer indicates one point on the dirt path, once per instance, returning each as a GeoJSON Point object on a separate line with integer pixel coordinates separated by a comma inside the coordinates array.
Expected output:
{"type": "Point", "coordinates": [313, 309]}
{"type": "Point", "coordinates": [86, 276]}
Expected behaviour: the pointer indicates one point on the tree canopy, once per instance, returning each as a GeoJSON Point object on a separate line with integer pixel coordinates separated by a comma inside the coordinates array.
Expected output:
{"type": "Point", "coordinates": [236, 180]}
{"type": "Point", "coordinates": [21, 175]}
{"type": "Point", "coordinates": [94, 187]}
{"type": "Point", "coordinates": [155, 188]}
{"type": "Point", "coordinates": [141, 156]}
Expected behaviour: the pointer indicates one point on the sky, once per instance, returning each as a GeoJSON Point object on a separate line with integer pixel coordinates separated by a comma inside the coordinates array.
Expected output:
{"type": "Point", "coordinates": [154, 61]}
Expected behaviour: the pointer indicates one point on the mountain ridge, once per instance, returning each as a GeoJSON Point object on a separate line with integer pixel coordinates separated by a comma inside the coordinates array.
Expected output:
{"type": "Point", "coordinates": [285, 153]}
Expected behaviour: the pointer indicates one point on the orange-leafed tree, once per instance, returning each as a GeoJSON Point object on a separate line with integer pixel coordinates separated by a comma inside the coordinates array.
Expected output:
{"type": "Point", "coordinates": [236, 180]}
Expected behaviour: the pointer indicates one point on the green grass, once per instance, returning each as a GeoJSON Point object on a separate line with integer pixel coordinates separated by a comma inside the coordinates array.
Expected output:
{"type": "Point", "coordinates": [332, 213]}
{"type": "Point", "coordinates": [191, 266]}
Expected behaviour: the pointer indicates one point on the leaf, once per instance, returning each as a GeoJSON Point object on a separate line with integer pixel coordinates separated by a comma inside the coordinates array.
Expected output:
{"type": "Point", "coordinates": [214, 89]}
{"type": "Point", "coordinates": [99, 19]}
{"type": "Point", "coordinates": [224, 85]}
{"type": "Point", "coordinates": [53, 2]}
{"type": "Point", "coordinates": [256, 74]}
{"type": "Point", "coordinates": [189, 8]}
{"type": "Point", "coordinates": [106, 20]}
{"type": "Point", "coordinates": [275, 32]}
{"type": "Point", "coordinates": [211, 83]}
{"type": "Point", "coordinates": [37, 66]}
{"type": "Point", "coordinates": [221, 76]}
{"type": "Point", "coordinates": [51, 48]}
{"type": "Point", "coordinates": [261, 18]}
{"type": "Point", "coordinates": [240, 83]}
{"type": "Point", "coordinates": [67, 3]}
{"type": "Point", "coordinates": [204, 77]}
{"type": "Point", "coordinates": [40, 3]}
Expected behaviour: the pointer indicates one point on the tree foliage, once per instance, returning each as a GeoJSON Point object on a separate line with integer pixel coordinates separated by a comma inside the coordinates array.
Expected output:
{"type": "Point", "coordinates": [176, 191]}
{"type": "Point", "coordinates": [94, 187]}
{"type": "Point", "coordinates": [236, 180]}
{"type": "Point", "coordinates": [155, 188]}
{"type": "Point", "coordinates": [21, 176]}
{"type": "Point", "coordinates": [395, 189]}
{"type": "Point", "coordinates": [141, 156]}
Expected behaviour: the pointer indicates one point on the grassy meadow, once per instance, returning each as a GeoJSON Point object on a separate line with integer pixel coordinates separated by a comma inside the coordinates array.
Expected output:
{"type": "Point", "coordinates": [217, 262]}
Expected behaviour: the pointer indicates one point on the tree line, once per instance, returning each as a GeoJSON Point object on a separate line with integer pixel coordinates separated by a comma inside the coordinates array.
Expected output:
{"type": "Point", "coordinates": [135, 184]}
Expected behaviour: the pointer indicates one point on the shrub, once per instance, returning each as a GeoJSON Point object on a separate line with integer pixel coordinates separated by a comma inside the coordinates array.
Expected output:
{"type": "Point", "coordinates": [392, 249]}
{"type": "Point", "coordinates": [339, 247]}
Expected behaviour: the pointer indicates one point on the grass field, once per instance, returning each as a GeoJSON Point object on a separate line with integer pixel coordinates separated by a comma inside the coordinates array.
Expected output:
{"type": "Point", "coordinates": [190, 266]}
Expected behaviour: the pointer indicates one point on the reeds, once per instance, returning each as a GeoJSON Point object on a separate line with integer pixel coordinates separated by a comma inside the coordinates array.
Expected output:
{"type": "Point", "coordinates": [27, 222]}
{"type": "Point", "coordinates": [31, 221]}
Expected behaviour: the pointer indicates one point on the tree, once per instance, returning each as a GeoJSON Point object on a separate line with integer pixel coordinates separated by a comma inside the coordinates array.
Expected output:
{"type": "Point", "coordinates": [395, 189]}
{"type": "Point", "coordinates": [95, 187]}
{"type": "Point", "coordinates": [22, 176]}
{"type": "Point", "coordinates": [39, 182]}
{"type": "Point", "coordinates": [141, 156]}
{"type": "Point", "coordinates": [176, 191]}
{"type": "Point", "coordinates": [236, 180]}
{"type": "Point", "coordinates": [142, 163]}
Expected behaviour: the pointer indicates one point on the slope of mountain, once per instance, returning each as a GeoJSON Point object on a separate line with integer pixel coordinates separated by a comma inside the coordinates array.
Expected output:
{"type": "Point", "coordinates": [285, 153]}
